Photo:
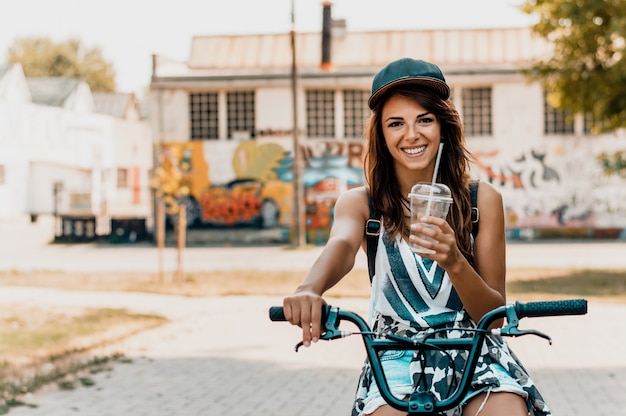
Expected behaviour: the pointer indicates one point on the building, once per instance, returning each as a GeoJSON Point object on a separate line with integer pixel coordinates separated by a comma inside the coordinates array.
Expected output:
{"type": "Point", "coordinates": [229, 109]}
{"type": "Point", "coordinates": [60, 156]}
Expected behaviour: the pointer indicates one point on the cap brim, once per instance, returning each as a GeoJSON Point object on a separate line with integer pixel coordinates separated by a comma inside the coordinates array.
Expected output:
{"type": "Point", "coordinates": [438, 86]}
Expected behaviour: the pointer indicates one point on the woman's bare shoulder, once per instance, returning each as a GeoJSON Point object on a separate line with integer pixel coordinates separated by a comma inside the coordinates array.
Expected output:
{"type": "Point", "coordinates": [354, 199]}
{"type": "Point", "coordinates": [488, 194]}
{"type": "Point", "coordinates": [358, 193]}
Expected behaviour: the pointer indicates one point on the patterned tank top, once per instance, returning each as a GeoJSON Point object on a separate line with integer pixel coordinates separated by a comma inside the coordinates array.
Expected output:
{"type": "Point", "coordinates": [412, 290]}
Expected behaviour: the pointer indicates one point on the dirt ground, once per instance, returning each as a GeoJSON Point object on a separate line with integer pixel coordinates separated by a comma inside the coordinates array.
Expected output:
{"type": "Point", "coordinates": [218, 283]}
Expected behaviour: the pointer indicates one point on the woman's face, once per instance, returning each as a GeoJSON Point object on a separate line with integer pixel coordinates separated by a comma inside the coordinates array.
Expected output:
{"type": "Point", "coordinates": [412, 135]}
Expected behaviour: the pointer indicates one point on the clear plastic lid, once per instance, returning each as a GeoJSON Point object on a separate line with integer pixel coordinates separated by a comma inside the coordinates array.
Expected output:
{"type": "Point", "coordinates": [426, 190]}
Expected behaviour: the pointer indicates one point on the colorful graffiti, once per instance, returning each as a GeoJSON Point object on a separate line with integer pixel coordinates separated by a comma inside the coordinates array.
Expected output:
{"type": "Point", "coordinates": [330, 168]}
{"type": "Point", "coordinates": [261, 192]}
{"type": "Point", "coordinates": [556, 188]}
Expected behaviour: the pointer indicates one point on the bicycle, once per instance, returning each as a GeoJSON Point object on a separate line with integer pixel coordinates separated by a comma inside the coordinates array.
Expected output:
{"type": "Point", "coordinates": [425, 403]}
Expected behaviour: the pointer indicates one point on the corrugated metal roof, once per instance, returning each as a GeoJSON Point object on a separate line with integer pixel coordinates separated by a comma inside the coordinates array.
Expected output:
{"type": "Point", "coordinates": [456, 47]}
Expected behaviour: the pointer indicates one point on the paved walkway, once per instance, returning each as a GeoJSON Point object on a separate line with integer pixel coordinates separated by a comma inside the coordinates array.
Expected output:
{"type": "Point", "coordinates": [222, 356]}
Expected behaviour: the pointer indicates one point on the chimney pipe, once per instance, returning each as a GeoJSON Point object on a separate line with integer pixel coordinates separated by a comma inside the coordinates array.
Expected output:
{"type": "Point", "coordinates": [326, 36]}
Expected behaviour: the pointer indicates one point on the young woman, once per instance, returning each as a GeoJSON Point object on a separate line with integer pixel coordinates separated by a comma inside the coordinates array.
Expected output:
{"type": "Point", "coordinates": [411, 293]}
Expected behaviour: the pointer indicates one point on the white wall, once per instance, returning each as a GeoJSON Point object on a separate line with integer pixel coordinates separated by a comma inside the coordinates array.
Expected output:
{"type": "Point", "coordinates": [40, 145]}
{"type": "Point", "coordinates": [169, 119]}
{"type": "Point", "coordinates": [274, 109]}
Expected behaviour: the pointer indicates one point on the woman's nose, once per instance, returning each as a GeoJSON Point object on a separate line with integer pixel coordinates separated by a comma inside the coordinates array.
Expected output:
{"type": "Point", "coordinates": [413, 131]}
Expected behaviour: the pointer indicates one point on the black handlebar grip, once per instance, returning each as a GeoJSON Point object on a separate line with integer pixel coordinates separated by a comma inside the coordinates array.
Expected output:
{"type": "Point", "coordinates": [277, 314]}
{"type": "Point", "coordinates": [552, 308]}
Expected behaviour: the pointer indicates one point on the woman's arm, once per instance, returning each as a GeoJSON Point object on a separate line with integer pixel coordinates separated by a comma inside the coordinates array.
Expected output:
{"type": "Point", "coordinates": [304, 306]}
{"type": "Point", "coordinates": [484, 287]}
{"type": "Point", "coordinates": [481, 288]}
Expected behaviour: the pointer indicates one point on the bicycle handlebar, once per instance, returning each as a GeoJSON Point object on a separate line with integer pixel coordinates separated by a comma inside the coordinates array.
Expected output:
{"type": "Point", "coordinates": [522, 309]}
{"type": "Point", "coordinates": [420, 403]}
{"type": "Point", "coordinates": [551, 308]}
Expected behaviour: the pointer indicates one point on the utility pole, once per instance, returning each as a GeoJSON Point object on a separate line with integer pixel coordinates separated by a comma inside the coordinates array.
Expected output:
{"type": "Point", "coordinates": [299, 225]}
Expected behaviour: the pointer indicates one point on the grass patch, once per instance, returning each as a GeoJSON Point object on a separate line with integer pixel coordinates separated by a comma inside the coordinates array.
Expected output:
{"type": "Point", "coordinates": [43, 345]}
{"type": "Point", "coordinates": [30, 331]}
{"type": "Point", "coordinates": [603, 284]}
{"type": "Point", "coordinates": [220, 283]}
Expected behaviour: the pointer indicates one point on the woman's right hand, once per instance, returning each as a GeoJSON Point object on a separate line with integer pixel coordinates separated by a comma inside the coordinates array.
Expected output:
{"type": "Point", "coordinates": [304, 308]}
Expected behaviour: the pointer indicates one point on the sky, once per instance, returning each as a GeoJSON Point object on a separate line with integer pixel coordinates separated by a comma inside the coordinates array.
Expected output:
{"type": "Point", "coordinates": [129, 32]}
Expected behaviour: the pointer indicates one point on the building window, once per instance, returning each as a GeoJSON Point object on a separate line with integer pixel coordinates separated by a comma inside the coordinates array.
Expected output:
{"type": "Point", "coordinates": [557, 121]}
{"type": "Point", "coordinates": [477, 111]}
{"type": "Point", "coordinates": [203, 109]}
{"type": "Point", "coordinates": [240, 106]}
{"type": "Point", "coordinates": [355, 112]}
{"type": "Point", "coordinates": [122, 178]}
{"type": "Point", "coordinates": [320, 113]}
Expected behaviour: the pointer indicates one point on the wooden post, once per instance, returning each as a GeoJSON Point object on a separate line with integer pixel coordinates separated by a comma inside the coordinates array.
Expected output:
{"type": "Point", "coordinates": [299, 220]}
{"type": "Point", "coordinates": [160, 237]}
{"type": "Point", "coordinates": [182, 236]}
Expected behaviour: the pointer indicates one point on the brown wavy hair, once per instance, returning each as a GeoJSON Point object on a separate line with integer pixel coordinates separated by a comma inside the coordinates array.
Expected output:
{"type": "Point", "coordinates": [454, 167]}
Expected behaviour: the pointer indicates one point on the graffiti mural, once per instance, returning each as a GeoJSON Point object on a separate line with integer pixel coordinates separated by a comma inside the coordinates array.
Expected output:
{"type": "Point", "coordinates": [329, 169]}
{"type": "Point", "coordinates": [260, 192]}
{"type": "Point", "coordinates": [558, 187]}
{"type": "Point", "coordinates": [255, 196]}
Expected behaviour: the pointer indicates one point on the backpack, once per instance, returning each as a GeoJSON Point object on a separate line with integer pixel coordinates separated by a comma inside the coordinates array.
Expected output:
{"type": "Point", "coordinates": [373, 226]}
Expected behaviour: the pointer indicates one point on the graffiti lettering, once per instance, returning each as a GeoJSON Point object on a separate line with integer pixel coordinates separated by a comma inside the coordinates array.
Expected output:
{"type": "Point", "coordinates": [336, 153]}
{"type": "Point", "coordinates": [529, 170]}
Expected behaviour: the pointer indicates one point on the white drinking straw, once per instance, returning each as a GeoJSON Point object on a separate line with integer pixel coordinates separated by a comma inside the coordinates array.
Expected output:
{"type": "Point", "coordinates": [432, 185]}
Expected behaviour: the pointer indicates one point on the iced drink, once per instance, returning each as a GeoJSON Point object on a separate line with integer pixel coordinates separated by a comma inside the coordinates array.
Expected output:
{"type": "Point", "coordinates": [432, 199]}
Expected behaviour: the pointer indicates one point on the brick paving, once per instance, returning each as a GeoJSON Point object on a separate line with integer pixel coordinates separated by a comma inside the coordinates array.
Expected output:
{"type": "Point", "coordinates": [222, 356]}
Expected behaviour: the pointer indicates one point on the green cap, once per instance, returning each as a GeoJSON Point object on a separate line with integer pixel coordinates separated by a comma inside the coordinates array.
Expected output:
{"type": "Point", "coordinates": [408, 71]}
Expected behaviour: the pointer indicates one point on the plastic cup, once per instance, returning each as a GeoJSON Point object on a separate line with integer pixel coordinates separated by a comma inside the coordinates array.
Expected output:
{"type": "Point", "coordinates": [432, 199]}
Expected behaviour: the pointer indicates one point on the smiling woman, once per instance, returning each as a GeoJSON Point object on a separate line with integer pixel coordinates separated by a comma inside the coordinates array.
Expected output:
{"type": "Point", "coordinates": [448, 286]}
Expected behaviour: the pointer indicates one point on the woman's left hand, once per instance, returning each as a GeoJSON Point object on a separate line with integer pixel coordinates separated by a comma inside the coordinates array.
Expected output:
{"type": "Point", "coordinates": [446, 252]}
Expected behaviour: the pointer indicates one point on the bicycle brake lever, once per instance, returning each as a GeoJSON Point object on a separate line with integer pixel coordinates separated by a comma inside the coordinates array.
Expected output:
{"type": "Point", "coordinates": [331, 328]}
{"type": "Point", "coordinates": [514, 331]}
{"type": "Point", "coordinates": [332, 325]}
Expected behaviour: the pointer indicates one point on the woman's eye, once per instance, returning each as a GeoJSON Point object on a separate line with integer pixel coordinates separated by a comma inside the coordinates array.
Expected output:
{"type": "Point", "coordinates": [426, 120]}
{"type": "Point", "coordinates": [394, 124]}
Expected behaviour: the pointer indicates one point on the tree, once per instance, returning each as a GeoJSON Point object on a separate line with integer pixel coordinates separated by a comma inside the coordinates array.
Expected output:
{"type": "Point", "coordinates": [587, 71]}
{"type": "Point", "coordinates": [41, 57]}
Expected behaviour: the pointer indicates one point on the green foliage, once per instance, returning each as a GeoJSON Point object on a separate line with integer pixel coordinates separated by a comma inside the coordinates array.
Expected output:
{"type": "Point", "coordinates": [613, 163]}
{"type": "Point", "coordinates": [587, 71]}
{"type": "Point", "coordinates": [41, 57]}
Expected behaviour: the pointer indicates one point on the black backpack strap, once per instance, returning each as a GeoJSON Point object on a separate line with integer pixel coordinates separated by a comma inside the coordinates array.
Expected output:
{"type": "Point", "coordinates": [473, 186]}
{"type": "Point", "coordinates": [372, 231]}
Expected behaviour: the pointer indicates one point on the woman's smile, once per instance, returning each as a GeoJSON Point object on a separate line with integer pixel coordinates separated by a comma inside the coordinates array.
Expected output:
{"type": "Point", "coordinates": [413, 151]}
